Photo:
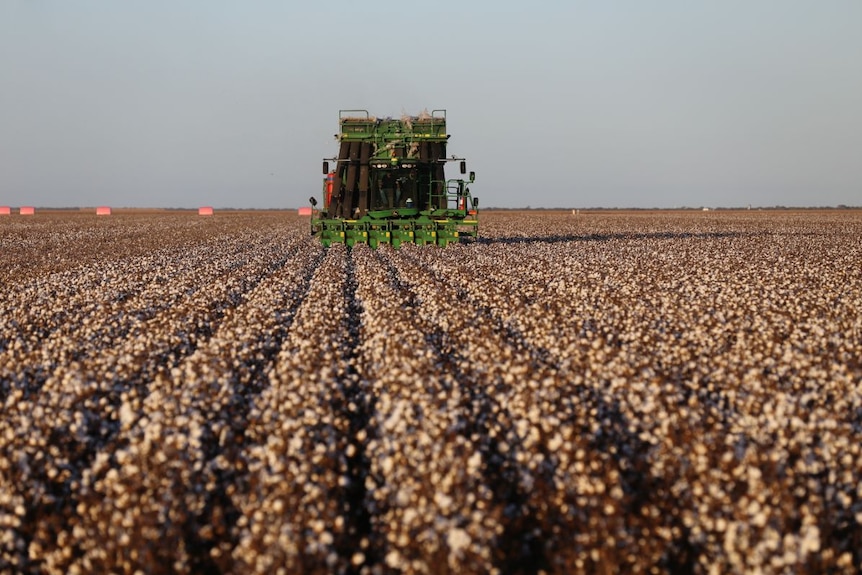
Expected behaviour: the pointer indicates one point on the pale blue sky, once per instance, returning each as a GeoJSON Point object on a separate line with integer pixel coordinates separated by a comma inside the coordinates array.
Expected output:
{"type": "Point", "coordinates": [157, 103]}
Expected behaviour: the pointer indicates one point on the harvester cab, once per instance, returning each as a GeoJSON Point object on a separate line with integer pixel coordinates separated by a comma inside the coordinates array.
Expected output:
{"type": "Point", "coordinates": [388, 184]}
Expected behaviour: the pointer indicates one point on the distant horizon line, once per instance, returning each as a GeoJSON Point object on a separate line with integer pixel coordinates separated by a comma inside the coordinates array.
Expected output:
{"type": "Point", "coordinates": [489, 208]}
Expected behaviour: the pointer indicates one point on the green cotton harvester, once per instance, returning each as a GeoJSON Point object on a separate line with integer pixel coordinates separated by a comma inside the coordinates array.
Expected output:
{"type": "Point", "coordinates": [389, 185]}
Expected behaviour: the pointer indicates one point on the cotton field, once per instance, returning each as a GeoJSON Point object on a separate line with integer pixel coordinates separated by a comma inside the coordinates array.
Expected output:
{"type": "Point", "coordinates": [602, 392]}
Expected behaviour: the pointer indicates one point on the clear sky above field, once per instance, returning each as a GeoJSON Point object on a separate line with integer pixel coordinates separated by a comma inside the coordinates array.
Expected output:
{"type": "Point", "coordinates": [554, 103]}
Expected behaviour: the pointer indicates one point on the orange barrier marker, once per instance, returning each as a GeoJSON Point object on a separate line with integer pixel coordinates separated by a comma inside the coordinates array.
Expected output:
{"type": "Point", "coordinates": [205, 211]}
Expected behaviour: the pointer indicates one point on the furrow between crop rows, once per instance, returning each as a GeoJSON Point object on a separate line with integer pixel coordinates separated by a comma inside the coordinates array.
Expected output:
{"type": "Point", "coordinates": [294, 514]}
{"type": "Point", "coordinates": [87, 401]}
{"type": "Point", "coordinates": [494, 438]}
{"type": "Point", "coordinates": [108, 306]}
{"type": "Point", "coordinates": [599, 392]}
{"type": "Point", "coordinates": [175, 472]}
{"type": "Point", "coordinates": [423, 467]}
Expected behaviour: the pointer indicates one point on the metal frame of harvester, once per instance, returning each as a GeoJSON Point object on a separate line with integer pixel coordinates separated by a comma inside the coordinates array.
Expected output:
{"type": "Point", "coordinates": [389, 186]}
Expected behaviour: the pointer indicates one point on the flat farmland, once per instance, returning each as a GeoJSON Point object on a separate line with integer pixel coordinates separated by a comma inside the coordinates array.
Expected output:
{"type": "Point", "coordinates": [637, 392]}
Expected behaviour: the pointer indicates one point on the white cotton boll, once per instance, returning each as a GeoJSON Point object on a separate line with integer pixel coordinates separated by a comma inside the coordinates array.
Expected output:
{"type": "Point", "coordinates": [402, 498]}
{"type": "Point", "coordinates": [128, 416]}
{"type": "Point", "coordinates": [458, 540]}
{"type": "Point", "coordinates": [443, 501]}
{"type": "Point", "coordinates": [810, 540]}
{"type": "Point", "coordinates": [394, 560]}
{"type": "Point", "coordinates": [410, 516]}
{"type": "Point", "coordinates": [295, 444]}
{"type": "Point", "coordinates": [759, 519]}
